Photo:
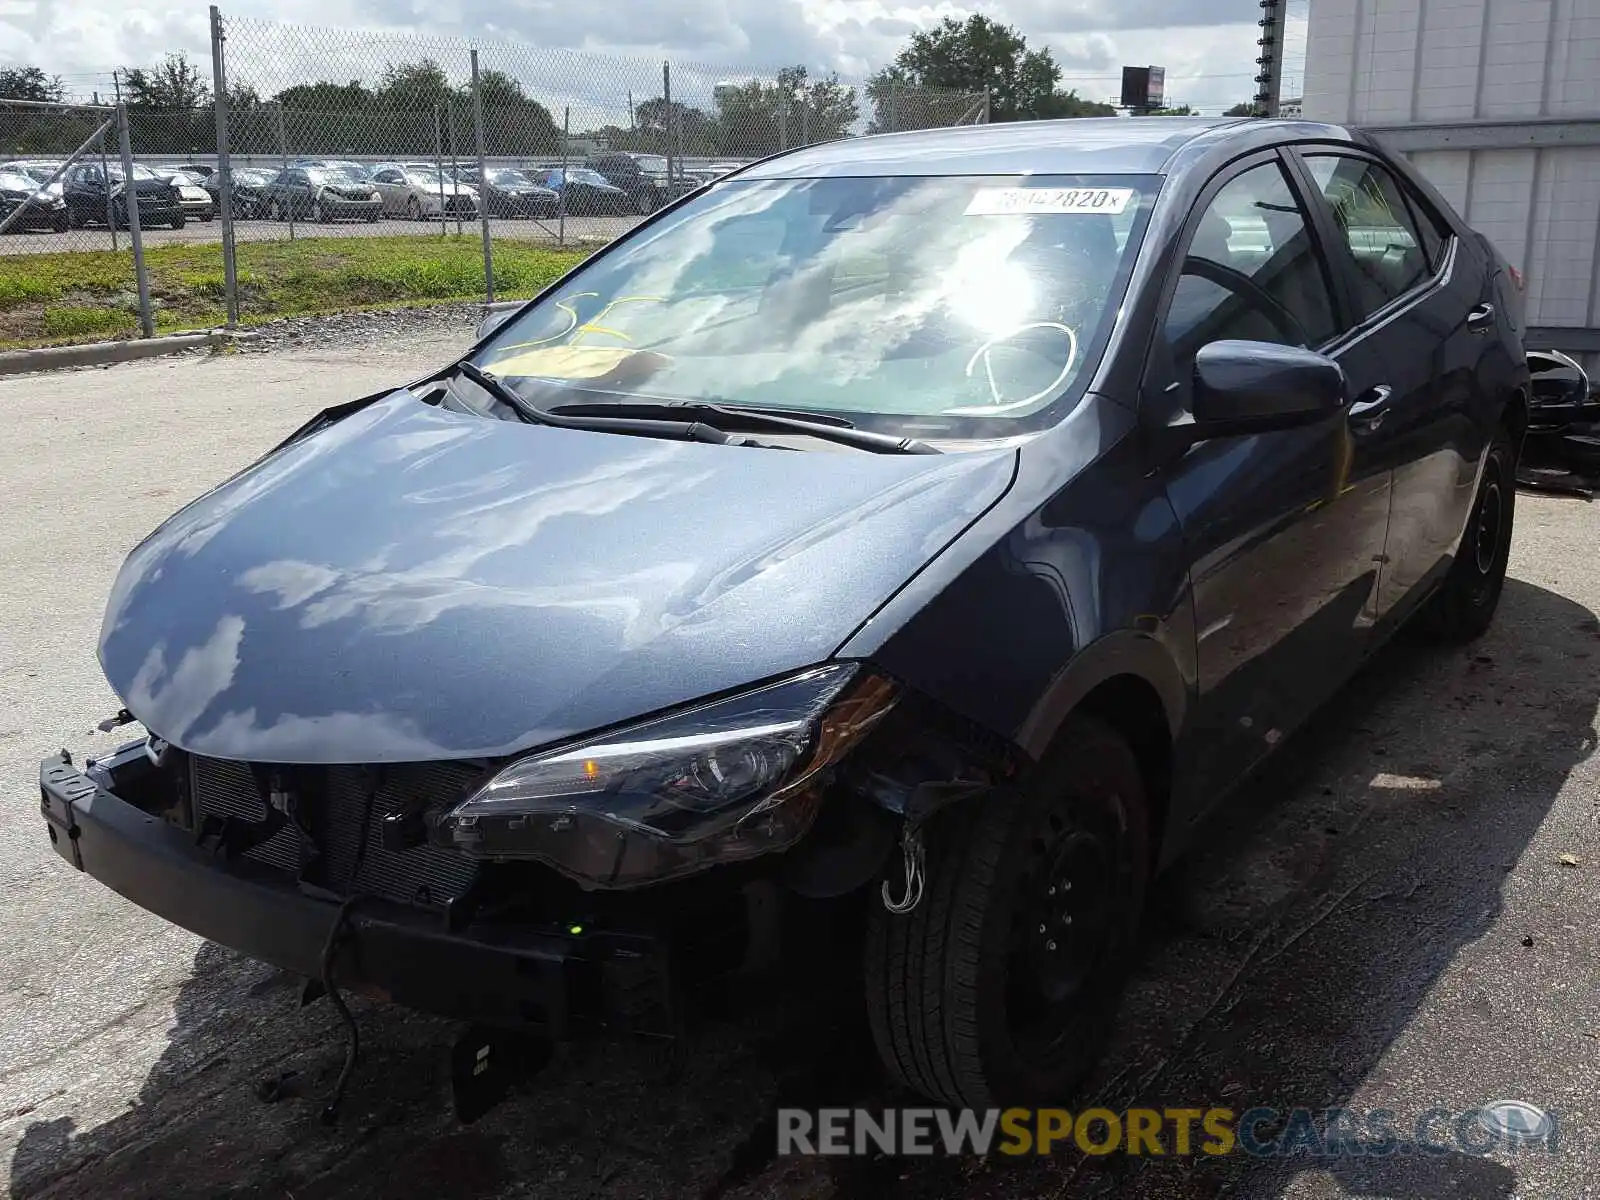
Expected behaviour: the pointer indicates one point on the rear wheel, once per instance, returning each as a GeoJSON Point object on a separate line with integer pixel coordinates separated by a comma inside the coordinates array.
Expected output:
{"type": "Point", "coordinates": [1001, 985]}
{"type": "Point", "coordinates": [1464, 607]}
{"type": "Point", "coordinates": [413, 209]}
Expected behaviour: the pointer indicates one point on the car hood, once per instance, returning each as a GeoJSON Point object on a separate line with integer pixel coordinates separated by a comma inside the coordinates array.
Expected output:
{"type": "Point", "coordinates": [411, 583]}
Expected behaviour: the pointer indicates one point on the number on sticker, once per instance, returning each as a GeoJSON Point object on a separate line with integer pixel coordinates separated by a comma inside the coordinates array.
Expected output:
{"type": "Point", "coordinates": [995, 202]}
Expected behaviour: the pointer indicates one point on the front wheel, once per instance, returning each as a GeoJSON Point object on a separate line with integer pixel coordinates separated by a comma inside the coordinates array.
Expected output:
{"type": "Point", "coordinates": [178, 221]}
{"type": "Point", "coordinates": [1001, 985]}
{"type": "Point", "coordinates": [413, 209]}
{"type": "Point", "coordinates": [319, 213]}
{"type": "Point", "coordinates": [1463, 607]}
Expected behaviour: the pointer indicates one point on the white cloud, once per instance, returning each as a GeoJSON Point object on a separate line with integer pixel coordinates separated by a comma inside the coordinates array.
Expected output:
{"type": "Point", "coordinates": [1209, 59]}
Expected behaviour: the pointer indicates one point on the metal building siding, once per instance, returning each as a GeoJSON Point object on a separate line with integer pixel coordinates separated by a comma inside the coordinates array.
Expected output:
{"type": "Point", "coordinates": [1497, 75]}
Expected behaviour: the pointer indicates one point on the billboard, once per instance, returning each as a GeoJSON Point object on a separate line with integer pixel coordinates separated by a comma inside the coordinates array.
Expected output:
{"type": "Point", "coordinates": [1144, 87]}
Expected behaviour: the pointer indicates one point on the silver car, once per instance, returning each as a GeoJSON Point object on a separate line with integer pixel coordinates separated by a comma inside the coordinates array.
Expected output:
{"type": "Point", "coordinates": [420, 191]}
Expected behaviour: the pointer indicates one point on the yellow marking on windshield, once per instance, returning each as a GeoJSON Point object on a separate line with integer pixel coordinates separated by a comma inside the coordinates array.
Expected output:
{"type": "Point", "coordinates": [593, 324]}
{"type": "Point", "coordinates": [565, 307]}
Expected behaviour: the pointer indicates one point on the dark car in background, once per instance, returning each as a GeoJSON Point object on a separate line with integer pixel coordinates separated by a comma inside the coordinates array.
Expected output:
{"type": "Point", "coordinates": [585, 192]}
{"type": "Point", "coordinates": [512, 192]}
{"type": "Point", "coordinates": [249, 190]}
{"type": "Point", "coordinates": [1563, 412]}
{"type": "Point", "coordinates": [322, 194]}
{"type": "Point", "coordinates": [643, 176]}
{"type": "Point", "coordinates": [40, 209]}
{"type": "Point", "coordinates": [90, 188]}
{"type": "Point", "coordinates": [920, 532]}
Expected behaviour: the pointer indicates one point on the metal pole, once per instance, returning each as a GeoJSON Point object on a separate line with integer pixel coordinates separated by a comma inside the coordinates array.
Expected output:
{"type": "Point", "coordinates": [666, 96]}
{"type": "Point", "coordinates": [130, 195]}
{"type": "Point", "coordinates": [455, 162]}
{"type": "Point", "coordinates": [561, 196]}
{"type": "Point", "coordinates": [283, 157]}
{"type": "Point", "coordinates": [986, 100]}
{"type": "Point", "coordinates": [783, 118]}
{"type": "Point", "coordinates": [438, 165]}
{"type": "Point", "coordinates": [1270, 60]}
{"type": "Point", "coordinates": [483, 209]}
{"type": "Point", "coordinates": [225, 192]}
{"type": "Point", "coordinates": [105, 166]}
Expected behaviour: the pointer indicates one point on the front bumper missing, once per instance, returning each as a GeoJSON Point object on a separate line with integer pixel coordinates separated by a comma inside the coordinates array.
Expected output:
{"type": "Point", "coordinates": [515, 977]}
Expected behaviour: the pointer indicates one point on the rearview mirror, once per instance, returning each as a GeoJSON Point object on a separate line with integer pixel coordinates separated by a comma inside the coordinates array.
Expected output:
{"type": "Point", "coordinates": [1254, 387]}
{"type": "Point", "coordinates": [493, 321]}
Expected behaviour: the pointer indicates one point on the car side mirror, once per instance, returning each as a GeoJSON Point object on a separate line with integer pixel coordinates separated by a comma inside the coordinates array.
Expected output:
{"type": "Point", "coordinates": [1256, 387]}
{"type": "Point", "coordinates": [493, 321]}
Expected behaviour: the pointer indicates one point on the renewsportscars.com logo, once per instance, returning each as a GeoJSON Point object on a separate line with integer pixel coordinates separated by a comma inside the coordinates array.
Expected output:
{"type": "Point", "coordinates": [1261, 1132]}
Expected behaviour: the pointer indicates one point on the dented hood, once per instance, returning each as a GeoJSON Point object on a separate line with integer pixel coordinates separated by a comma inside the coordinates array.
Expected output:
{"type": "Point", "coordinates": [412, 583]}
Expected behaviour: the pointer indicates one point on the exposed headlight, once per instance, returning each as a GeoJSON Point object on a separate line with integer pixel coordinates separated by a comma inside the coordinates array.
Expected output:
{"type": "Point", "coordinates": [714, 784]}
{"type": "Point", "coordinates": [375, 196]}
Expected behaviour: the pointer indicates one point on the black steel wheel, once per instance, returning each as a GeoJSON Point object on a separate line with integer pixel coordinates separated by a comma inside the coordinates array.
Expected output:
{"type": "Point", "coordinates": [1464, 606]}
{"type": "Point", "coordinates": [1001, 985]}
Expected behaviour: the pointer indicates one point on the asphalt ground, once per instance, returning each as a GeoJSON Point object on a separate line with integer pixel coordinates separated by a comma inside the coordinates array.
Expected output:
{"type": "Point", "coordinates": [1384, 920]}
{"type": "Point", "coordinates": [577, 229]}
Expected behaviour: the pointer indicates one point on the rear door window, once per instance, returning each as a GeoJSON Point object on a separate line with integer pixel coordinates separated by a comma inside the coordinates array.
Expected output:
{"type": "Point", "coordinates": [1392, 255]}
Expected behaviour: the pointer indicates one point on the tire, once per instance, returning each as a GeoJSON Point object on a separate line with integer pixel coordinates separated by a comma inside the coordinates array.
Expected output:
{"type": "Point", "coordinates": [61, 222]}
{"type": "Point", "coordinates": [644, 205]}
{"type": "Point", "coordinates": [74, 218]}
{"type": "Point", "coordinates": [319, 214]}
{"type": "Point", "coordinates": [275, 210]}
{"type": "Point", "coordinates": [372, 217]}
{"type": "Point", "coordinates": [956, 987]}
{"type": "Point", "coordinates": [413, 209]}
{"type": "Point", "coordinates": [1463, 608]}
{"type": "Point", "coordinates": [207, 217]}
{"type": "Point", "coordinates": [179, 221]}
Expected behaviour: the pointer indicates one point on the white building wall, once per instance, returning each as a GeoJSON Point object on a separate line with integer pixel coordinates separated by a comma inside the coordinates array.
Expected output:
{"type": "Point", "coordinates": [1491, 69]}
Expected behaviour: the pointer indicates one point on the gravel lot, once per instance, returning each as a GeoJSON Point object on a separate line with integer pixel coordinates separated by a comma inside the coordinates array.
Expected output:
{"type": "Point", "coordinates": [1381, 921]}
{"type": "Point", "coordinates": [578, 229]}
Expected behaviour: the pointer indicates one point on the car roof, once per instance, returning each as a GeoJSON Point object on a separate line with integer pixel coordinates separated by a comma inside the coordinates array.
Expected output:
{"type": "Point", "coordinates": [1097, 145]}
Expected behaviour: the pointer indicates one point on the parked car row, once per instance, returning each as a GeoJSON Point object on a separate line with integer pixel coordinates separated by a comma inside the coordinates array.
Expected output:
{"type": "Point", "coordinates": [92, 192]}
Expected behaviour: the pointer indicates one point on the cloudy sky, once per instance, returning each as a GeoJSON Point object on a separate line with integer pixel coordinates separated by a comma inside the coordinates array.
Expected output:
{"type": "Point", "coordinates": [1207, 46]}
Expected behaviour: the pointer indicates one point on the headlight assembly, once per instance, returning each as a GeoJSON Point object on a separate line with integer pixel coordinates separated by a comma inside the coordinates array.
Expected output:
{"type": "Point", "coordinates": [718, 783]}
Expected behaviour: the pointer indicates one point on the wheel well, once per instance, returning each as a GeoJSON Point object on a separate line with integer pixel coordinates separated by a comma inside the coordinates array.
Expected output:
{"type": "Point", "coordinates": [1133, 707]}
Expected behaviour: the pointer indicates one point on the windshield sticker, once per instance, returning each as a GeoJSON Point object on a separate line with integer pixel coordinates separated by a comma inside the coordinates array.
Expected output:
{"type": "Point", "coordinates": [999, 202]}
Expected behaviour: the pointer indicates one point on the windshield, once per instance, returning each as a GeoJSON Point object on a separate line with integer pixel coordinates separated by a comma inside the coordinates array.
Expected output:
{"type": "Point", "coordinates": [431, 179]}
{"type": "Point", "coordinates": [585, 175]}
{"type": "Point", "coordinates": [942, 307]}
{"type": "Point", "coordinates": [506, 177]}
{"type": "Point", "coordinates": [335, 175]}
{"type": "Point", "coordinates": [140, 171]}
{"type": "Point", "coordinates": [651, 163]}
{"type": "Point", "coordinates": [15, 181]}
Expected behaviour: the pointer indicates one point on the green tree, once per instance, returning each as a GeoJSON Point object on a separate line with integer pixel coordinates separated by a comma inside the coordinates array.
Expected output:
{"type": "Point", "coordinates": [30, 83]}
{"type": "Point", "coordinates": [973, 56]}
{"type": "Point", "coordinates": [1245, 109]}
{"type": "Point", "coordinates": [514, 122]}
{"type": "Point", "coordinates": [659, 124]}
{"type": "Point", "coordinates": [169, 108]}
{"type": "Point", "coordinates": [176, 84]}
{"type": "Point", "coordinates": [1182, 110]}
{"type": "Point", "coordinates": [758, 117]}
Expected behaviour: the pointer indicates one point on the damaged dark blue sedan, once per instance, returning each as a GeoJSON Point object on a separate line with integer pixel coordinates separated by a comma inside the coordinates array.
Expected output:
{"type": "Point", "coordinates": [929, 527]}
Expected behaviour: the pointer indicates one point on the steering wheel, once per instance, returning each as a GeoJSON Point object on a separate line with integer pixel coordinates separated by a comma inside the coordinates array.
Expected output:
{"type": "Point", "coordinates": [1252, 293]}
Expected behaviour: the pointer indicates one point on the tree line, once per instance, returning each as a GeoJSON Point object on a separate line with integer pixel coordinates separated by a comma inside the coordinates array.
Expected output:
{"type": "Point", "coordinates": [976, 69]}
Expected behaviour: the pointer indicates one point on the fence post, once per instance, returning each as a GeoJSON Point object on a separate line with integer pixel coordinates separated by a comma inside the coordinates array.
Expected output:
{"type": "Point", "coordinates": [666, 98]}
{"type": "Point", "coordinates": [130, 201]}
{"type": "Point", "coordinates": [105, 167]}
{"type": "Point", "coordinates": [455, 161]}
{"type": "Point", "coordinates": [483, 209]}
{"type": "Point", "coordinates": [438, 166]}
{"type": "Point", "coordinates": [783, 117]}
{"type": "Point", "coordinates": [225, 192]}
{"type": "Point", "coordinates": [561, 196]}
{"type": "Point", "coordinates": [283, 157]}
{"type": "Point", "coordinates": [986, 106]}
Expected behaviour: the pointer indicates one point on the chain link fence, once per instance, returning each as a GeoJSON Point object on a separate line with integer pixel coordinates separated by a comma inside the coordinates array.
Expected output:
{"type": "Point", "coordinates": [467, 161]}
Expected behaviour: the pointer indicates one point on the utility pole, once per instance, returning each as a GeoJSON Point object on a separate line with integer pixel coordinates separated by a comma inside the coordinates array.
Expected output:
{"type": "Point", "coordinates": [1270, 61]}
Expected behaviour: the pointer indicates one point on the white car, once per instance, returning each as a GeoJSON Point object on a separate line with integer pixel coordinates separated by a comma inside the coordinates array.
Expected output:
{"type": "Point", "coordinates": [195, 201]}
{"type": "Point", "coordinates": [419, 191]}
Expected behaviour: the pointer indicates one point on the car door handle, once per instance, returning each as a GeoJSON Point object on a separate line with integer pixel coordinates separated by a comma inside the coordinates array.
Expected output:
{"type": "Point", "coordinates": [1481, 318]}
{"type": "Point", "coordinates": [1367, 413]}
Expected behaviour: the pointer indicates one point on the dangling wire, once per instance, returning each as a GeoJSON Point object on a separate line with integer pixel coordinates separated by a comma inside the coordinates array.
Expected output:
{"type": "Point", "coordinates": [330, 949]}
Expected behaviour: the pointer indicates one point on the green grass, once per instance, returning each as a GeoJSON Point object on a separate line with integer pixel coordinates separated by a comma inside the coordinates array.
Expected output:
{"type": "Point", "coordinates": [75, 296]}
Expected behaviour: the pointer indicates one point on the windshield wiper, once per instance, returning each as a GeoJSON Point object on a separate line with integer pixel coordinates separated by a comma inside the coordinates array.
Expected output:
{"type": "Point", "coordinates": [692, 430]}
{"type": "Point", "coordinates": [824, 428]}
